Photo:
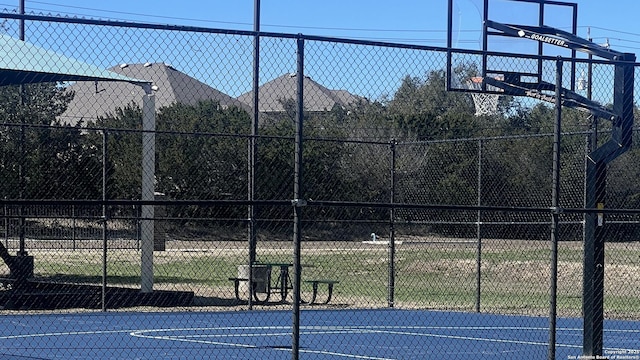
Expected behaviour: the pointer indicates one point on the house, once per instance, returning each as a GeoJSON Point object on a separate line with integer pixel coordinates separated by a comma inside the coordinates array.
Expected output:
{"type": "Point", "coordinates": [95, 99]}
{"type": "Point", "coordinates": [317, 98]}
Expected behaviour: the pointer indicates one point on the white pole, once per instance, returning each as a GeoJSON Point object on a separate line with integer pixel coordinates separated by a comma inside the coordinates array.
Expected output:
{"type": "Point", "coordinates": [148, 187]}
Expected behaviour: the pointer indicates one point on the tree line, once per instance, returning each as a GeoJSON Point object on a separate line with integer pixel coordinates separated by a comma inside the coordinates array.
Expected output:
{"type": "Point", "coordinates": [441, 152]}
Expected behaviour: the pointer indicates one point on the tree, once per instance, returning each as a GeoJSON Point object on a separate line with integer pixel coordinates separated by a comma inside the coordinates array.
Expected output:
{"type": "Point", "coordinates": [197, 150]}
{"type": "Point", "coordinates": [424, 108]}
{"type": "Point", "coordinates": [122, 131]}
{"type": "Point", "coordinates": [201, 155]}
{"type": "Point", "coordinates": [322, 153]}
{"type": "Point", "coordinates": [443, 171]}
{"type": "Point", "coordinates": [521, 166]}
{"type": "Point", "coordinates": [52, 155]}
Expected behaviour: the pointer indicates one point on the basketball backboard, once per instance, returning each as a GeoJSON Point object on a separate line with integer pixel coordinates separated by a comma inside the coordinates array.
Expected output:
{"type": "Point", "coordinates": [503, 39]}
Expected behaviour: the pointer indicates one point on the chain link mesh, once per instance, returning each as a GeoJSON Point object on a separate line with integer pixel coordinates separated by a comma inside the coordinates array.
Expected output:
{"type": "Point", "coordinates": [413, 202]}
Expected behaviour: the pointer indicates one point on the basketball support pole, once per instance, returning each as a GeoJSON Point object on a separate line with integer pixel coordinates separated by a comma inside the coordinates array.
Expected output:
{"type": "Point", "coordinates": [595, 191]}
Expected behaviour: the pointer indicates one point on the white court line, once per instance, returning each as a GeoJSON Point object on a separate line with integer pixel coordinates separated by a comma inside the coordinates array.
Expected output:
{"type": "Point", "coordinates": [68, 333]}
{"type": "Point", "coordinates": [393, 330]}
{"type": "Point", "coordinates": [190, 339]}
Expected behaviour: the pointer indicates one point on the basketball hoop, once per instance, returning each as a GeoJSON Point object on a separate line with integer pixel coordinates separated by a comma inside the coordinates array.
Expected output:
{"type": "Point", "coordinates": [486, 104]}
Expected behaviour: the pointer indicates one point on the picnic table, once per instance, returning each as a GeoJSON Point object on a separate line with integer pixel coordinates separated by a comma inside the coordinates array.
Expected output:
{"type": "Point", "coordinates": [283, 282]}
{"type": "Point", "coordinates": [264, 284]}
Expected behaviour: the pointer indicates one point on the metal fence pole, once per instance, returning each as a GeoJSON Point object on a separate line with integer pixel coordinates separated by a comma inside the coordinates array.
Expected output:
{"type": "Point", "coordinates": [298, 200]}
{"type": "Point", "coordinates": [104, 221]}
{"type": "Point", "coordinates": [22, 183]}
{"type": "Point", "coordinates": [479, 230]}
{"type": "Point", "coordinates": [23, 162]}
{"type": "Point", "coordinates": [392, 235]}
{"type": "Point", "coordinates": [6, 224]}
{"type": "Point", "coordinates": [555, 194]}
{"type": "Point", "coordinates": [251, 171]}
{"type": "Point", "coordinates": [73, 226]}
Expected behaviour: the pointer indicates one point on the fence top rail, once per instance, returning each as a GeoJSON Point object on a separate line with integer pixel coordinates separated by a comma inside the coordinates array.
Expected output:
{"type": "Point", "coordinates": [185, 28]}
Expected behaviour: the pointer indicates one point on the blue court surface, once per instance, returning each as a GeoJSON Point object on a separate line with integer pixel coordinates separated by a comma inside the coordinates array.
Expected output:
{"type": "Point", "coordinates": [325, 334]}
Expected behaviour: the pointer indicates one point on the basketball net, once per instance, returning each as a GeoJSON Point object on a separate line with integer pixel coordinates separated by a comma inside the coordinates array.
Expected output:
{"type": "Point", "coordinates": [486, 104]}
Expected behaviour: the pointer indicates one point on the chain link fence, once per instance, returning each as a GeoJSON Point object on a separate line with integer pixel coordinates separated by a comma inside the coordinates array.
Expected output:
{"type": "Point", "coordinates": [390, 191]}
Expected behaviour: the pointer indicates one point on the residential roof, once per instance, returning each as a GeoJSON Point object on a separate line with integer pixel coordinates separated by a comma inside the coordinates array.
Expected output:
{"type": "Point", "coordinates": [347, 97]}
{"type": "Point", "coordinates": [316, 97]}
{"type": "Point", "coordinates": [98, 98]}
{"type": "Point", "coordinates": [22, 63]}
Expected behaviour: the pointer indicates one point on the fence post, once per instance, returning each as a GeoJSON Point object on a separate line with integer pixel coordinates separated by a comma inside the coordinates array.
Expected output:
{"type": "Point", "coordinates": [138, 228]}
{"type": "Point", "coordinates": [104, 221]}
{"type": "Point", "coordinates": [251, 161]}
{"type": "Point", "coordinates": [479, 231]}
{"type": "Point", "coordinates": [298, 200]}
{"type": "Point", "coordinates": [23, 163]}
{"type": "Point", "coordinates": [555, 212]}
{"type": "Point", "coordinates": [392, 235]}
{"type": "Point", "coordinates": [73, 225]}
{"type": "Point", "coordinates": [6, 224]}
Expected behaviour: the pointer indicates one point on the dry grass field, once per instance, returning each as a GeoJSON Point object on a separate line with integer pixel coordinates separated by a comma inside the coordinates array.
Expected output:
{"type": "Point", "coordinates": [430, 273]}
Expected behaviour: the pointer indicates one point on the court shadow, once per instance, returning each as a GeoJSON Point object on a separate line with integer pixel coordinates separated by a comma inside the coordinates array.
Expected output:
{"type": "Point", "coordinates": [216, 301]}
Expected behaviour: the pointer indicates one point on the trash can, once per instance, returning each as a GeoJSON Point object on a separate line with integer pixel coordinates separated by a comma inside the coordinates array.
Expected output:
{"type": "Point", "coordinates": [261, 278]}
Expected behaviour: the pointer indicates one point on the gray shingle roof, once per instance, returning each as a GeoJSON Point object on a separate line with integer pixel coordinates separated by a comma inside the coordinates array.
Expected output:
{"type": "Point", "coordinates": [94, 99]}
{"type": "Point", "coordinates": [316, 97]}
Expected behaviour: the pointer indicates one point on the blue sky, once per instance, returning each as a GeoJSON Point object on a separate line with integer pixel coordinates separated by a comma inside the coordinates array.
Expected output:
{"type": "Point", "coordinates": [405, 21]}
{"type": "Point", "coordinates": [422, 22]}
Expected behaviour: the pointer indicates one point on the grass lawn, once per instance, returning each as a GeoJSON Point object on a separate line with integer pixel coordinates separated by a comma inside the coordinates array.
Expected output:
{"type": "Point", "coordinates": [515, 275]}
